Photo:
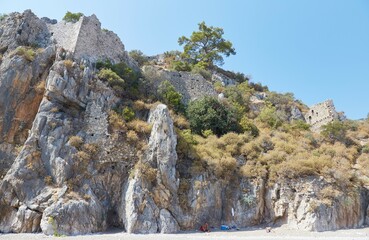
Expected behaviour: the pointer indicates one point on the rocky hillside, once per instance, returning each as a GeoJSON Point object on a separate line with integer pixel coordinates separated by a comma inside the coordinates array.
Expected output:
{"type": "Point", "coordinates": [87, 143]}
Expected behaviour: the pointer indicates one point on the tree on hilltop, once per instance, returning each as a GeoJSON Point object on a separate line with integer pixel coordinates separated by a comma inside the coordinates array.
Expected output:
{"type": "Point", "coordinates": [72, 17]}
{"type": "Point", "coordinates": [206, 46]}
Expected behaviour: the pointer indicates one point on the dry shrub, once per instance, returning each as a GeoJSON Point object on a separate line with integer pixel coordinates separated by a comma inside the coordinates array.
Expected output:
{"type": "Point", "coordinates": [139, 105]}
{"type": "Point", "coordinates": [83, 156]}
{"type": "Point", "coordinates": [180, 121]}
{"type": "Point", "coordinates": [54, 110]}
{"type": "Point", "coordinates": [328, 194]}
{"type": "Point", "coordinates": [87, 197]}
{"type": "Point", "coordinates": [91, 148]}
{"type": "Point", "coordinates": [233, 142]}
{"type": "Point", "coordinates": [139, 126]}
{"type": "Point", "coordinates": [273, 157]}
{"type": "Point", "coordinates": [251, 150]}
{"type": "Point", "coordinates": [254, 169]}
{"type": "Point", "coordinates": [75, 141]}
{"type": "Point", "coordinates": [363, 163]}
{"type": "Point", "coordinates": [146, 171]}
{"type": "Point", "coordinates": [132, 136]}
{"type": "Point", "coordinates": [40, 87]}
{"type": "Point", "coordinates": [26, 52]}
{"type": "Point", "coordinates": [300, 167]}
{"type": "Point", "coordinates": [225, 168]}
{"type": "Point", "coordinates": [116, 121]}
{"type": "Point", "coordinates": [48, 180]}
{"type": "Point", "coordinates": [68, 64]}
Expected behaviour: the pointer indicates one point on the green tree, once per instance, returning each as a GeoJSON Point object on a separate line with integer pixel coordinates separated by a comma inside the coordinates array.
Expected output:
{"type": "Point", "coordinates": [139, 57]}
{"type": "Point", "coordinates": [269, 116]}
{"type": "Point", "coordinates": [210, 114]}
{"type": "Point", "coordinates": [3, 16]}
{"type": "Point", "coordinates": [335, 131]}
{"type": "Point", "coordinates": [72, 17]}
{"type": "Point", "coordinates": [248, 126]}
{"type": "Point", "coordinates": [170, 96]}
{"type": "Point", "coordinates": [206, 45]}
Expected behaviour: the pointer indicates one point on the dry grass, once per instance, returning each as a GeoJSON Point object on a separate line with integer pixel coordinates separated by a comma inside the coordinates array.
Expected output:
{"type": "Point", "coordinates": [48, 180]}
{"type": "Point", "coordinates": [26, 52]}
{"type": "Point", "coordinates": [139, 126]}
{"type": "Point", "coordinates": [116, 121]}
{"type": "Point", "coordinates": [40, 87]}
{"type": "Point", "coordinates": [146, 171]}
{"type": "Point", "coordinates": [75, 141]}
{"type": "Point", "coordinates": [132, 136]}
{"type": "Point", "coordinates": [91, 148]}
{"type": "Point", "coordinates": [68, 64]}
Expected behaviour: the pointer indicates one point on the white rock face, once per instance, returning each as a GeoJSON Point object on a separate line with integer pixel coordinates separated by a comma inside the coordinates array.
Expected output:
{"type": "Point", "coordinates": [145, 213]}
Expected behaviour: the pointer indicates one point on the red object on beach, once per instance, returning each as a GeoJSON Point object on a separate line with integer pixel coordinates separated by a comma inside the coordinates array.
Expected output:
{"type": "Point", "coordinates": [204, 228]}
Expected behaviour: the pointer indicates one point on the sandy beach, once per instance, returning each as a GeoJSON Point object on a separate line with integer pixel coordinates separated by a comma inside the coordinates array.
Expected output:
{"type": "Point", "coordinates": [249, 234]}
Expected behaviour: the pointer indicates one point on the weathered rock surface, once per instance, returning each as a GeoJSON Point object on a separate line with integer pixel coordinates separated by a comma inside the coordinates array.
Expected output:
{"type": "Point", "coordinates": [58, 187]}
{"type": "Point", "coordinates": [21, 81]}
{"type": "Point", "coordinates": [145, 213]}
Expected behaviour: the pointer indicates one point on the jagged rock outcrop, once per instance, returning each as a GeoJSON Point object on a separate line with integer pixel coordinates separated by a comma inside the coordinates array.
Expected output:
{"type": "Point", "coordinates": [148, 201]}
{"type": "Point", "coordinates": [58, 186]}
{"type": "Point", "coordinates": [21, 81]}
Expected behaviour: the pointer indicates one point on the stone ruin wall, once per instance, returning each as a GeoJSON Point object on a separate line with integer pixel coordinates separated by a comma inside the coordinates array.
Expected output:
{"type": "Point", "coordinates": [191, 86]}
{"type": "Point", "coordinates": [85, 39]}
{"type": "Point", "coordinates": [65, 34]}
{"type": "Point", "coordinates": [93, 42]}
{"type": "Point", "coordinates": [321, 114]}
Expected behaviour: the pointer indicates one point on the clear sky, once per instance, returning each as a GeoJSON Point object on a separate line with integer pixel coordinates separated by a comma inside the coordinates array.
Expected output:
{"type": "Point", "coordinates": [316, 49]}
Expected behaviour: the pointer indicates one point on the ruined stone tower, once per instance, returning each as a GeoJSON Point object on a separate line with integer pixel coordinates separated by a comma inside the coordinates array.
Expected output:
{"type": "Point", "coordinates": [85, 39]}
{"type": "Point", "coordinates": [321, 114]}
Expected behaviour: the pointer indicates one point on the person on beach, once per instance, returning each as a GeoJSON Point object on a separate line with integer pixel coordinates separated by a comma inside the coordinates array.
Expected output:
{"type": "Point", "coordinates": [205, 228]}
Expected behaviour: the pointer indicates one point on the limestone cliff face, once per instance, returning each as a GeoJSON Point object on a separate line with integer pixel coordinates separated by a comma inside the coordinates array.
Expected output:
{"type": "Point", "coordinates": [58, 186]}
{"type": "Point", "coordinates": [149, 202]}
{"type": "Point", "coordinates": [21, 81]}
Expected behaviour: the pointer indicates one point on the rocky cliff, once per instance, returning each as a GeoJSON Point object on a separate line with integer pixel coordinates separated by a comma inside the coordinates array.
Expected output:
{"type": "Point", "coordinates": [73, 171]}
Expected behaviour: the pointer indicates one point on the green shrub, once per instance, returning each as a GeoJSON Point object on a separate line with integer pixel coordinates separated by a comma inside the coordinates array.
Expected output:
{"type": "Point", "coordinates": [201, 68]}
{"type": "Point", "coordinates": [207, 133]}
{"type": "Point", "coordinates": [170, 96]}
{"type": "Point", "coordinates": [335, 131]}
{"type": "Point", "coordinates": [131, 84]}
{"type": "Point", "coordinates": [128, 114]}
{"type": "Point", "coordinates": [248, 126]}
{"type": "Point", "coordinates": [72, 17]}
{"type": "Point", "coordinates": [110, 76]}
{"type": "Point", "coordinates": [139, 57]}
{"type": "Point", "coordinates": [218, 86]}
{"type": "Point", "coordinates": [27, 53]}
{"type": "Point", "coordinates": [268, 115]}
{"type": "Point", "coordinates": [210, 114]}
{"type": "Point", "coordinates": [3, 16]}
{"type": "Point", "coordinates": [241, 78]}
{"type": "Point", "coordinates": [300, 125]}
{"type": "Point", "coordinates": [180, 66]}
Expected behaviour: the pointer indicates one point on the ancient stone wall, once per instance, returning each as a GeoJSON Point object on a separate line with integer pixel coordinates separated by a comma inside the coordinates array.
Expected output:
{"type": "Point", "coordinates": [321, 114]}
{"type": "Point", "coordinates": [191, 86]}
{"type": "Point", "coordinates": [85, 39]}
{"type": "Point", "coordinates": [65, 34]}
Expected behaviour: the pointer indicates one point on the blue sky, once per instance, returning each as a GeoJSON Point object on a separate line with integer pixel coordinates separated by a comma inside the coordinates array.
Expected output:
{"type": "Point", "coordinates": [316, 49]}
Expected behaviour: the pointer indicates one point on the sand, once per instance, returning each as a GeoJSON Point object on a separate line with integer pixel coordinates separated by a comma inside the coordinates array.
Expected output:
{"type": "Point", "coordinates": [247, 234]}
